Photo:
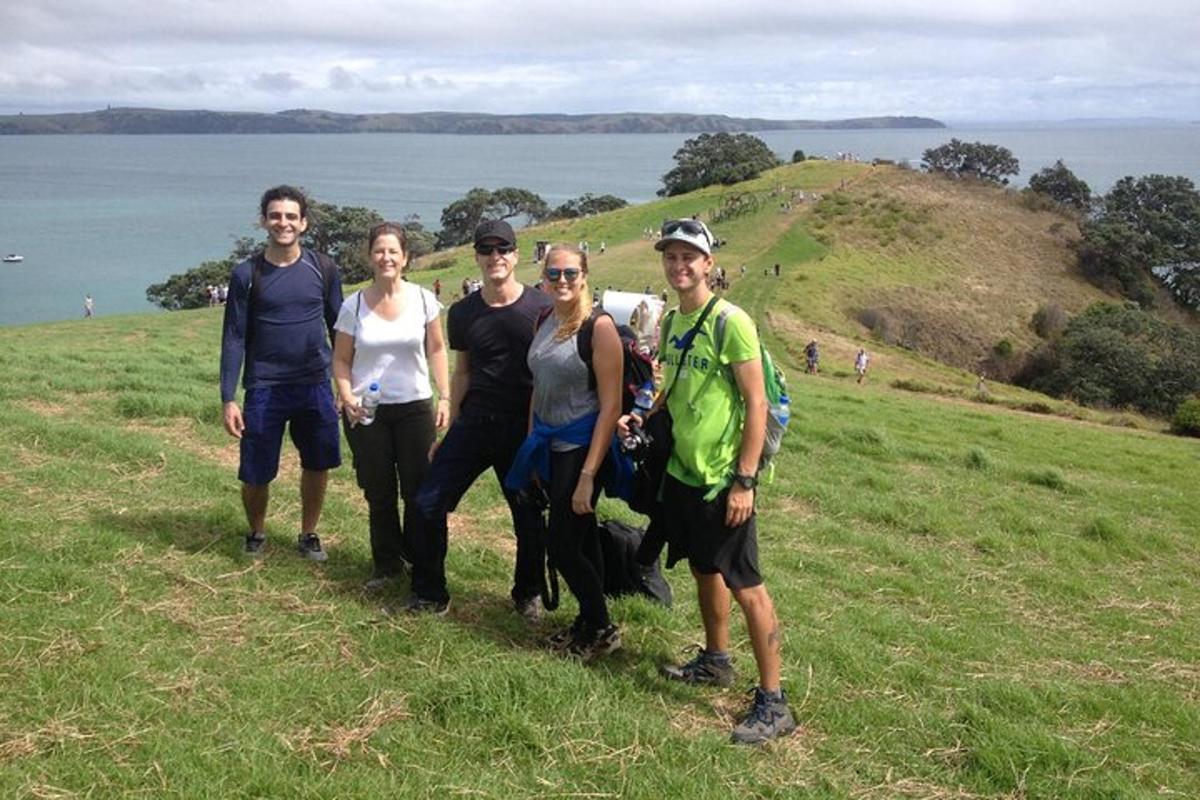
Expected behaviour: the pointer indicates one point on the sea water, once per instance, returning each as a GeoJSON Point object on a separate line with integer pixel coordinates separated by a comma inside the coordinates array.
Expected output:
{"type": "Point", "coordinates": [109, 215]}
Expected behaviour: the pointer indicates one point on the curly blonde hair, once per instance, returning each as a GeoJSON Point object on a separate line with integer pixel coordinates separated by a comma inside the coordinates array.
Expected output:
{"type": "Point", "coordinates": [583, 303]}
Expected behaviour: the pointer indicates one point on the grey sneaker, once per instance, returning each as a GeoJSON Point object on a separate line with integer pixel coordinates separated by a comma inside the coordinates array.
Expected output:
{"type": "Point", "coordinates": [309, 545]}
{"type": "Point", "coordinates": [255, 544]}
{"type": "Point", "coordinates": [419, 605]}
{"type": "Point", "coordinates": [769, 718]}
{"type": "Point", "coordinates": [593, 644]}
{"type": "Point", "coordinates": [530, 609]}
{"type": "Point", "coordinates": [703, 669]}
{"type": "Point", "coordinates": [379, 581]}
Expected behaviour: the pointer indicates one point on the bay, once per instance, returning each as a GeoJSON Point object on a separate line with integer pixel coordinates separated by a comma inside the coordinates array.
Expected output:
{"type": "Point", "coordinates": [109, 215]}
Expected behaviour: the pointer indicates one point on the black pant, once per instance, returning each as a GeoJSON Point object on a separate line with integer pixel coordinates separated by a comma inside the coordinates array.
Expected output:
{"type": "Point", "coordinates": [573, 541]}
{"type": "Point", "coordinates": [473, 443]}
{"type": "Point", "coordinates": [391, 458]}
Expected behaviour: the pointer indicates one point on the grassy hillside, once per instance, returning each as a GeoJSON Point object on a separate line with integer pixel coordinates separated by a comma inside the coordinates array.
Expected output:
{"type": "Point", "coordinates": [977, 602]}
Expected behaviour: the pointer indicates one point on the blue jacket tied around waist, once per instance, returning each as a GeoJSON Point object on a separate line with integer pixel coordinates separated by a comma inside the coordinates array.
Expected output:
{"type": "Point", "coordinates": [534, 455]}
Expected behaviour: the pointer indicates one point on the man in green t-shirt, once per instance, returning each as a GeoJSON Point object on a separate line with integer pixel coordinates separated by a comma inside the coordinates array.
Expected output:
{"type": "Point", "coordinates": [719, 408]}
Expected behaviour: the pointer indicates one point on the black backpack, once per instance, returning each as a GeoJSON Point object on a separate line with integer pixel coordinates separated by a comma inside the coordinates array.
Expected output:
{"type": "Point", "coordinates": [636, 366]}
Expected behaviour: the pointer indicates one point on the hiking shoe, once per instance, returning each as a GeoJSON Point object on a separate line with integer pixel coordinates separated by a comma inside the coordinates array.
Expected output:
{"type": "Point", "coordinates": [560, 640]}
{"type": "Point", "coordinates": [530, 609]}
{"type": "Point", "coordinates": [769, 718]}
{"type": "Point", "coordinates": [703, 669]}
{"type": "Point", "coordinates": [381, 580]}
{"type": "Point", "coordinates": [254, 545]}
{"type": "Point", "coordinates": [593, 644]}
{"type": "Point", "coordinates": [419, 605]}
{"type": "Point", "coordinates": [309, 545]}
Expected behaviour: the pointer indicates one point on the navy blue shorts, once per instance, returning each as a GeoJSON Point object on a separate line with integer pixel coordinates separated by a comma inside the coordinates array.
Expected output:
{"type": "Point", "coordinates": [312, 421]}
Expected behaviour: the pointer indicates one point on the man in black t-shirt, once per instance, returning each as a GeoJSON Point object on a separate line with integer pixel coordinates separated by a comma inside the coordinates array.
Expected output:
{"type": "Point", "coordinates": [489, 332]}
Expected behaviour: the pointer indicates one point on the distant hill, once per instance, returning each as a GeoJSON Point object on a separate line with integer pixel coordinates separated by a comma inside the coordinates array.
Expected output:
{"type": "Point", "coordinates": [160, 121]}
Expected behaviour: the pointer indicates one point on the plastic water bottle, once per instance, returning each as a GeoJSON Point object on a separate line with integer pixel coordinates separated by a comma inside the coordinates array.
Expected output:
{"type": "Point", "coordinates": [369, 402]}
{"type": "Point", "coordinates": [783, 410]}
{"type": "Point", "coordinates": [643, 401]}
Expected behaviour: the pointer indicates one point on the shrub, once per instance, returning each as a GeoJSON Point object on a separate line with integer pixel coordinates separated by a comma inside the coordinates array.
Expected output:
{"type": "Point", "coordinates": [798, 156]}
{"type": "Point", "coordinates": [1003, 348]}
{"type": "Point", "coordinates": [1186, 421]}
{"type": "Point", "coordinates": [1049, 320]}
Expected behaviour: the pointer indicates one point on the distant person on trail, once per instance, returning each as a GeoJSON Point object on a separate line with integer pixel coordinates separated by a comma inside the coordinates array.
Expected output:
{"type": "Point", "coordinates": [437, 288]}
{"type": "Point", "coordinates": [812, 356]}
{"type": "Point", "coordinates": [89, 307]}
{"type": "Point", "coordinates": [391, 334]}
{"type": "Point", "coordinates": [717, 400]}
{"type": "Point", "coordinates": [489, 332]}
{"type": "Point", "coordinates": [776, 270]}
{"type": "Point", "coordinates": [861, 362]}
{"type": "Point", "coordinates": [279, 319]}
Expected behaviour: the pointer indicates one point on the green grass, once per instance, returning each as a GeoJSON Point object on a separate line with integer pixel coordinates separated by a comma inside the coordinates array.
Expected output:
{"type": "Point", "coordinates": [976, 604]}
{"type": "Point", "coordinates": [979, 599]}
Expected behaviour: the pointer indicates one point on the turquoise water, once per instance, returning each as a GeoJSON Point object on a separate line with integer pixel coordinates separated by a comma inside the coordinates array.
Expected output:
{"type": "Point", "coordinates": [109, 215]}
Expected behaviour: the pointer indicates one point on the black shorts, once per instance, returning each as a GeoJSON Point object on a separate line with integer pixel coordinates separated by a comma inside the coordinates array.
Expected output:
{"type": "Point", "coordinates": [698, 529]}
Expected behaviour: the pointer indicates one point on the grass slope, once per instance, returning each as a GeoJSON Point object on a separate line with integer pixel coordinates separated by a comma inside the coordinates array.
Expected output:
{"type": "Point", "coordinates": [976, 602]}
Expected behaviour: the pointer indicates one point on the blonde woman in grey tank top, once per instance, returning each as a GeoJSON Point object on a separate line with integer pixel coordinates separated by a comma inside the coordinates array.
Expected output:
{"type": "Point", "coordinates": [564, 395]}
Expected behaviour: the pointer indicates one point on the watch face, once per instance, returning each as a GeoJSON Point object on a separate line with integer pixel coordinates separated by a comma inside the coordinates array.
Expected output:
{"type": "Point", "coordinates": [746, 481]}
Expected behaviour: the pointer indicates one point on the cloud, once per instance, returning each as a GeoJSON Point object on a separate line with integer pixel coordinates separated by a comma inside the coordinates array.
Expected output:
{"type": "Point", "coordinates": [756, 57]}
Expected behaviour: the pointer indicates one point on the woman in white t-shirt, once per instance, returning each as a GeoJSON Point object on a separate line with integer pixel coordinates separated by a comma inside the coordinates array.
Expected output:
{"type": "Point", "coordinates": [390, 333]}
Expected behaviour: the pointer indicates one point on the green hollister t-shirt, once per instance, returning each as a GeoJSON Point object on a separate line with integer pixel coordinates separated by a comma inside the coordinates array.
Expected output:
{"type": "Point", "coordinates": [705, 404]}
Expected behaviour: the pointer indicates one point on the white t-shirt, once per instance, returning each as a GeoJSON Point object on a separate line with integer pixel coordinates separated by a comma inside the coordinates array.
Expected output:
{"type": "Point", "coordinates": [391, 353]}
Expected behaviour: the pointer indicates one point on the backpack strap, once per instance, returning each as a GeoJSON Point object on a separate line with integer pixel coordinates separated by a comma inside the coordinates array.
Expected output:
{"type": "Point", "coordinates": [583, 342]}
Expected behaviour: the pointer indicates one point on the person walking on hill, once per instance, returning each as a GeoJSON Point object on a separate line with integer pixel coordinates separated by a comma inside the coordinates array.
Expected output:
{"type": "Point", "coordinates": [391, 334]}
{"type": "Point", "coordinates": [89, 307]}
{"type": "Point", "coordinates": [716, 397]}
{"type": "Point", "coordinates": [489, 332]}
{"type": "Point", "coordinates": [812, 357]}
{"type": "Point", "coordinates": [278, 322]}
{"type": "Point", "coordinates": [576, 360]}
{"type": "Point", "coordinates": [861, 362]}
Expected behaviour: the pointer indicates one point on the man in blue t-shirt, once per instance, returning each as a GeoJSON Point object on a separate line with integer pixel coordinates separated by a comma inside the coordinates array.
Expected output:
{"type": "Point", "coordinates": [279, 318]}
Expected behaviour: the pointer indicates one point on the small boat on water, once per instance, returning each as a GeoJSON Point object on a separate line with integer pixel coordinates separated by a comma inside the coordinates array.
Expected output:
{"type": "Point", "coordinates": [13, 258]}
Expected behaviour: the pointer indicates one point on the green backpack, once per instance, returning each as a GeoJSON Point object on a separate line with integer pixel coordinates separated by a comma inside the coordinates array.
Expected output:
{"type": "Point", "coordinates": [774, 387]}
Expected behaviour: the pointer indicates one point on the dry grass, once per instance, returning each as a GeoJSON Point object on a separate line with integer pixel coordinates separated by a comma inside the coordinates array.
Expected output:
{"type": "Point", "coordinates": [337, 742]}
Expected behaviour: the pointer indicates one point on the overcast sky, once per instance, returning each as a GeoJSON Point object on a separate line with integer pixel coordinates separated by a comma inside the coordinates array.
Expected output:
{"type": "Point", "coordinates": [957, 61]}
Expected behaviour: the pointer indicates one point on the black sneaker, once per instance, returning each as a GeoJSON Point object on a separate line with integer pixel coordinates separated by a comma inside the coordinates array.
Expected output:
{"type": "Point", "coordinates": [560, 640]}
{"type": "Point", "coordinates": [769, 718]}
{"type": "Point", "coordinates": [309, 545]}
{"type": "Point", "coordinates": [703, 669]}
{"type": "Point", "coordinates": [419, 605]}
{"type": "Point", "coordinates": [380, 581]}
{"type": "Point", "coordinates": [593, 644]}
{"type": "Point", "coordinates": [254, 545]}
{"type": "Point", "coordinates": [530, 609]}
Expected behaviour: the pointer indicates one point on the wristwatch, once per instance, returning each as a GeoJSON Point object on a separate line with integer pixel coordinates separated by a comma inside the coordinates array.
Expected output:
{"type": "Point", "coordinates": [746, 481]}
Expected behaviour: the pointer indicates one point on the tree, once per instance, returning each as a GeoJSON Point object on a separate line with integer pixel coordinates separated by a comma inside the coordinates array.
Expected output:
{"type": "Point", "coordinates": [711, 158]}
{"type": "Point", "coordinates": [420, 241]}
{"type": "Point", "coordinates": [986, 162]}
{"type": "Point", "coordinates": [586, 205]}
{"type": "Point", "coordinates": [1119, 356]}
{"type": "Point", "coordinates": [1114, 256]}
{"type": "Point", "coordinates": [460, 218]}
{"type": "Point", "coordinates": [798, 156]}
{"type": "Point", "coordinates": [1165, 209]}
{"type": "Point", "coordinates": [1062, 185]}
{"type": "Point", "coordinates": [341, 233]}
{"type": "Point", "coordinates": [189, 289]}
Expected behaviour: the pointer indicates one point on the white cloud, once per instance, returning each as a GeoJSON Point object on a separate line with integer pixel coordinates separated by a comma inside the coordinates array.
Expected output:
{"type": "Point", "coordinates": [1018, 58]}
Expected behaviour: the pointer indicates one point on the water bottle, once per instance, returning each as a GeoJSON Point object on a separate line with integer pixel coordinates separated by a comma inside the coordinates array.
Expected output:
{"type": "Point", "coordinates": [643, 401]}
{"type": "Point", "coordinates": [369, 402]}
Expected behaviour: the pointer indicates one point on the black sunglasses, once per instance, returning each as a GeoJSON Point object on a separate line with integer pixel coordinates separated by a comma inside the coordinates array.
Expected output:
{"type": "Point", "coordinates": [689, 226]}
{"type": "Point", "coordinates": [554, 273]}
{"type": "Point", "coordinates": [488, 249]}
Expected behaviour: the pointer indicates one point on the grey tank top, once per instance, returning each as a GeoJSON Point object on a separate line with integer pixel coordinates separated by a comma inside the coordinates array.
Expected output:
{"type": "Point", "coordinates": [560, 381]}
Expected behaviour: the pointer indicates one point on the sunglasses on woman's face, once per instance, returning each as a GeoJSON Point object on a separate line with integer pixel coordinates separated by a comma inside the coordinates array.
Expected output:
{"type": "Point", "coordinates": [488, 249]}
{"type": "Point", "coordinates": [571, 274]}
